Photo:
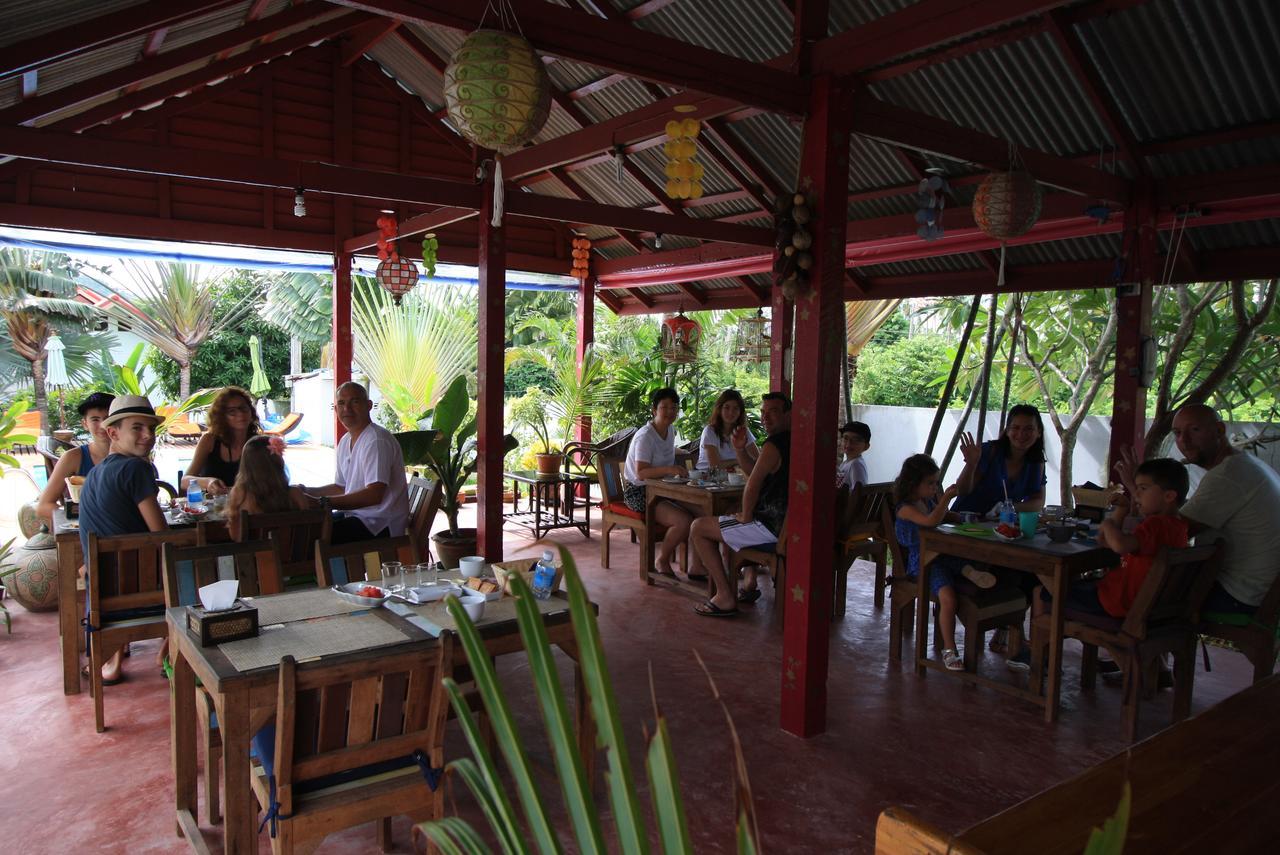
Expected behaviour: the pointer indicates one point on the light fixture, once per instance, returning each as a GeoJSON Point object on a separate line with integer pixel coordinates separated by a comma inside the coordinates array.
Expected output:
{"type": "Point", "coordinates": [299, 203]}
{"type": "Point", "coordinates": [657, 241]}
{"type": "Point", "coordinates": [619, 160]}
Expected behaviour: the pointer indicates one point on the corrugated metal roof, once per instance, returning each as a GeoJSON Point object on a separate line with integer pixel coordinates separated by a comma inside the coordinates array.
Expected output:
{"type": "Point", "coordinates": [750, 29]}
{"type": "Point", "coordinates": [774, 141]}
{"type": "Point", "coordinates": [1092, 248]}
{"type": "Point", "coordinates": [1203, 159]}
{"type": "Point", "coordinates": [21, 24]}
{"type": "Point", "coordinates": [402, 64]}
{"type": "Point", "coordinates": [937, 264]}
{"type": "Point", "coordinates": [1235, 235]}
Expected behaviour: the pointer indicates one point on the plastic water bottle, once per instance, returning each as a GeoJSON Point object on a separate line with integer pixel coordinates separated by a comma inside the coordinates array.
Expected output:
{"type": "Point", "coordinates": [544, 575]}
{"type": "Point", "coordinates": [1008, 513]}
{"type": "Point", "coordinates": [195, 495]}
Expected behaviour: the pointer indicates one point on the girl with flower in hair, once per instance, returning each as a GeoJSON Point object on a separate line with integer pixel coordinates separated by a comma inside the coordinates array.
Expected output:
{"type": "Point", "coordinates": [262, 486]}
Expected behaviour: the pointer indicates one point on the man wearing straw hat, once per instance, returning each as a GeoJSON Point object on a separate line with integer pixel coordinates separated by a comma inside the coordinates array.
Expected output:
{"type": "Point", "coordinates": [119, 494]}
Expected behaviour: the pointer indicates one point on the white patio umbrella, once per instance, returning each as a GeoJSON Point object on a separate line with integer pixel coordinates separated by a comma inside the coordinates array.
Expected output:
{"type": "Point", "coordinates": [56, 370]}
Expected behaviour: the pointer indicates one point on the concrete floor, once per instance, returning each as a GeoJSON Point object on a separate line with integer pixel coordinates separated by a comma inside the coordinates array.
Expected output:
{"type": "Point", "coordinates": [950, 752]}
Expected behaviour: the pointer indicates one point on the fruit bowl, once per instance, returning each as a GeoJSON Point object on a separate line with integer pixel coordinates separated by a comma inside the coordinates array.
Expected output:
{"type": "Point", "coordinates": [355, 592]}
{"type": "Point", "coordinates": [1007, 532]}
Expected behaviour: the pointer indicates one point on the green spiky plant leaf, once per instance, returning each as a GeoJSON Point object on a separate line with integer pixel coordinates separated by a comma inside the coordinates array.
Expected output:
{"type": "Point", "coordinates": [1109, 840]}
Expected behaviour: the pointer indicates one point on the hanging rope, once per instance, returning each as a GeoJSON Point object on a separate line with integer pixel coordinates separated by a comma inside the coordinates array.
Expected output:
{"type": "Point", "coordinates": [496, 219]}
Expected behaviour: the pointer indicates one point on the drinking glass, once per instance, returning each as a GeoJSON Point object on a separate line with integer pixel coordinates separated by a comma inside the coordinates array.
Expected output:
{"type": "Point", "coordinates": [427, 573]}
{"type": "Point", "coordinates": [393, 575]}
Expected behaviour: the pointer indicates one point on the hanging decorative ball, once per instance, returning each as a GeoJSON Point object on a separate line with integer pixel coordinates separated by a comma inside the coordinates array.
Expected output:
{"type": "Point", "coordinates": [581, 258]}
{"type": "Point", "coordinates": [430, 251]}
{"type": "Point", "coordinates": [684, 173]}
{"type": "Point", "coordinates": [680, 338]}
{"type": "Point", "coordinates": [931, 200]}
{"type": "Point", "coordinates": [398, 276]}
{"type": "Point", "coordinates": [386, 238]}
{"type": "Point", "coordinates": [496, 90]}
{"type": "Point", "coordinates": [793, 230]}
{"type": "Point", "coordinates": [1007, 204]}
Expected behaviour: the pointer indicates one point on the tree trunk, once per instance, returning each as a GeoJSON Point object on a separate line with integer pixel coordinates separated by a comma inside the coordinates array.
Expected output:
{"type": "Point", "coordinates": [184, 380]}
{"type": "Point", "coordinates": [1068, 440]}
{"type": "Point", "coordinates": [41, 397]}
{"type": "Point", "coordinates": [295, 355]}
{"type": "Point", "coordinates": [950, 386]}
{"type": "Point", "coordinates": [987, 358]}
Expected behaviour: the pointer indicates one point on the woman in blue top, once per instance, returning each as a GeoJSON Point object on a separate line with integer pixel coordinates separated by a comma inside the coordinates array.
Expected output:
{"type": "Point", "coordinates": [81, 459]}
{"type": "Point", "coordinates": [1014, 462]}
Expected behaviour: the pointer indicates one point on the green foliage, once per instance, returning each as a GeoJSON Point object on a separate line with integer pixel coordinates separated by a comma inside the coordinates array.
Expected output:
{"type": "Point", "coordinates": [1109, 840]}
{"type": "Point", "coordinates": [908, 372]}
{"type": "Point", "coordinates": [895, 327]}
{"type": "Point", "coordinates": [223, 357]}
{"type": "Point", "coordinates": [6, 569]}
{"type": "Point", "coordinates": [125, 378]}
{"type": "Point", "coordinates": [481, 774]}
{"type": "Point", "coordinates": [299, 304]}
{"type": "Point", "coordinates": [8, 438]}
{"type": "Point", "coordinates": [64, 406]}
{"type": "Point", "coordinates": [526, 375]}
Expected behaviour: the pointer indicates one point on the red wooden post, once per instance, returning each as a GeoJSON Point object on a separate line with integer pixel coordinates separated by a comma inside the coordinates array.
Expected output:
{"type": "Point", "coordinates": [586, 322]}
{"type": "Point", "coordinates": [824, 167]}
{"type": "Point", "coordinates": [780, 356]}
{"type": "Point", "coordinates": [489, 370]}
{"type": "Point", "coordinates": [1129, 398]}
{"type": "Point", "coordinates": [341, 326]}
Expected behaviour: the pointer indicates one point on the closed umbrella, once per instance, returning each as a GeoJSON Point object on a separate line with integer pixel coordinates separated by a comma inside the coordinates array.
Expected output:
{"type": "Point", "coordinates": [259, 386]}
{"type": "Point", "coordinates": [56, 370]}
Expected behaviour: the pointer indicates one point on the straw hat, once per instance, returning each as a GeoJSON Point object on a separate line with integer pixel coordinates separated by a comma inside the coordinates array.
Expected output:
{"type": "Point", "coordinates": [131, 405]}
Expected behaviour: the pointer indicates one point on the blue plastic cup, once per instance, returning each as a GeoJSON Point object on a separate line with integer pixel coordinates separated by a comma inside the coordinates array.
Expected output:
{"type": "Point", "coordinates": [1028, 521]}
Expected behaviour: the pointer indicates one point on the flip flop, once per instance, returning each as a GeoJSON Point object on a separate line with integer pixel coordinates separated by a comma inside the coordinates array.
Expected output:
{"type": "Point", "coordinates": [749, 597]}
{"type": "Point", "coordinates": [84, 672]}
{"type": "Point", "coordinates": [710, 609]}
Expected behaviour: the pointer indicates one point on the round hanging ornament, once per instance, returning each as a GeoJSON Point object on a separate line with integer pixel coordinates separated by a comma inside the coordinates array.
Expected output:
{"type": "Point", "coordinates": [581, 258]}
{"type": "Point", "coordinates": [398, 276]}
{"type": "Point", "coordinates": [1007, 204]}
{"type": "Point", "coordinates": [684, 173]}
{"type": "Point", "coordinates": [496, 90]}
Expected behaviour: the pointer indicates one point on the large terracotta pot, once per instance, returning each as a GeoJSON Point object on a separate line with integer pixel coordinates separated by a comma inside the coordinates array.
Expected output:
{"type": "Point", "coordinates": [449, 547]}
{"type": "Point", "coordinates": [549, 464]}
{"type": "Point", "coordinates": [35, 585]}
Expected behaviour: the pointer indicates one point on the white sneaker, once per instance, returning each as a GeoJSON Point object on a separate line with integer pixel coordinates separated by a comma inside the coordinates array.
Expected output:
{"type": "Point", "coordinates": [952, 660]}
{"type": "Point", "coordinates": [981, 578]}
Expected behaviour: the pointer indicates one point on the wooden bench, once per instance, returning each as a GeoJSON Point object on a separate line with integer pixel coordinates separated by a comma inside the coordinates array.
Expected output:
{"type": "Point", "coordinates": [1206, 784]}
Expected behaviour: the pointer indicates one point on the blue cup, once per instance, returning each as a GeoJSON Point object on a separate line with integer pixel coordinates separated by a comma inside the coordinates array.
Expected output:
{"type": "Point", "coordinates": [1028, 521]}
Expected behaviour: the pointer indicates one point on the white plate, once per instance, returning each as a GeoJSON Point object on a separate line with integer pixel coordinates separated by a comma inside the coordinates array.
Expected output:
{"type": "Point", "coordinates": [431, 593]}
{"type": "Point", "coordinates": [675, 479]}
{"type": "Point", "coordinates": [1006, 539]}
{"type": "Point", "coordinates": [496, 595]}
{"type": "Point", "coordinates": [348, 593]}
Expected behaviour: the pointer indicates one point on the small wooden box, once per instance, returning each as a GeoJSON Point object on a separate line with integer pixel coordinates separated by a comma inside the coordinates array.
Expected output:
{"type": "Point", "coordinates": [239, 621]}
{"type": "Point", "coordinates": [523, 566]}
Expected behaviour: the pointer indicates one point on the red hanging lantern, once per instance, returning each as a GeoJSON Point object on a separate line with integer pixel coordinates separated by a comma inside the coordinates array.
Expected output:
{"type": "Point", "coordinates": [680, 338]}
{"type": "Point", "coordinates": [1007, 204]}
{"type": "Point", "coordinates": [397, 275]}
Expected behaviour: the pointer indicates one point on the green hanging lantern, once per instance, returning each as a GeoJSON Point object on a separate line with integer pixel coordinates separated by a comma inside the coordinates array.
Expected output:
{"type": "Point", "coordinates": [496, 90]}
{"type": "Point", "coordinates": [430, 253]}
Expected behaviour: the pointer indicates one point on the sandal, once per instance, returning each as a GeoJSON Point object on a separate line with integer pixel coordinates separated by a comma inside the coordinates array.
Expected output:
{"type": "Point", "coordinates": [951, 659]}
{"type": "Point", "coordinates": [710, 609]}
{"type": "Point", "coordinates": [749, 597]}
{"type": "Point", "coordinates": [84, 672]}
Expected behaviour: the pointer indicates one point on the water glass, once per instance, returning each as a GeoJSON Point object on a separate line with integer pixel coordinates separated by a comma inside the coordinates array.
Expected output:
{"type": "Point", "coordinates": [426, 574]}
{"type": "Point", "coordinates": [393, 575]}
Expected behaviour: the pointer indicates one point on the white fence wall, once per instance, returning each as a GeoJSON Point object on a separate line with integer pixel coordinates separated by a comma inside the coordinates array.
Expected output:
{"type": "Point", "coordinates": [899, 432]}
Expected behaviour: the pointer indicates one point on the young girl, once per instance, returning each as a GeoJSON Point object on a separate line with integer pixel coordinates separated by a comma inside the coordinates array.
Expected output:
{"type": "Point", "coordinates": [715, 448]}
{"type": "Point", "coordinates": [261, 485]}
{"type": "Point", "coordinates": [917, 503]}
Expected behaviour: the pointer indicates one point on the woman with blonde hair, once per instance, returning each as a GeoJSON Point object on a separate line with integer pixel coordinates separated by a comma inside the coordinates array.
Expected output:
{"type": "Point", "coordinates": [216, 462]}
{"type": "Point", "coordinates": [728, 416]}
{"type": "Point", "coordinates": [262, 486]}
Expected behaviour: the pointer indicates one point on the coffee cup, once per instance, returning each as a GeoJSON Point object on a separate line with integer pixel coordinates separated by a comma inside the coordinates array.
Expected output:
{"type": "Point", "coordinates": [471, 566]}
{"type": "Point", "coordinates": [737, 479]}
{"type": "Point", "coordinates": [473, 605]}
{"type": "Point", "coordinates": [1028, 521]}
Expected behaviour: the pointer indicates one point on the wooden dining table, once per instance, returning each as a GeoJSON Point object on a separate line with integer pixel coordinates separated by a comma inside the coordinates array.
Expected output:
{"type": "Point", "coordinates": [242, 678]}
{"type": "Point", "coordinates": [66, 535]}
{"type": "Point", "coordinates": [701, 501]}
{"type": "Point", "coordinates": [1056, 563]}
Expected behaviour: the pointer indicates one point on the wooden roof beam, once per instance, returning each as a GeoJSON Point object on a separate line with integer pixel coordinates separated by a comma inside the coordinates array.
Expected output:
{"type": "Point", "coordinates": [615, 46]}
{"type": "Point", "coordinates": [437, 219]}
{"type": "Point", "coordinates": [572, 186]}
{"type": "Point", "coordinates": [75, 39]}
{"type": "Point", "coordinates": [365, 37]}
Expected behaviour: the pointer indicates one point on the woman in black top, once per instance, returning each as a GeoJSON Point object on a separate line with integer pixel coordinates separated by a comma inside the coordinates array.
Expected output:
{"type": "Point", "coordinates": [216, 461]}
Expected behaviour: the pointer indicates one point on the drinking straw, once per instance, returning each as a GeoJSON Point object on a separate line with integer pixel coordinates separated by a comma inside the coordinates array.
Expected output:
{"type": "Point", "coordinates": [1005, 484]}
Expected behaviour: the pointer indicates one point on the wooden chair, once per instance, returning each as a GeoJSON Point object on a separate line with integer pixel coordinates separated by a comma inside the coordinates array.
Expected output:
{"type": "Point", "coordinates": [125, 592]}
{"type": "Point", "coordinates": [1257, 636]}
{"type": "Point", "coordinates": [49, 454]}
{"type": "Point", "coordinates": [1163, 619]}
{"type": "Point", "coordinates": [338, 564]}
{"type": "Point", "coordinates": [425, 496]}
{"type": "Point", "coordinates": [860, 527]}
{"type": "Point", "coordinates": [353, 742]}
{"type": "Point", "coordinates": [773, 558]}
{"type": "Point", "coordinates": [294, 535]}
{"type": "Point", "coordinates": [977, 610]}
{"type": "Point", "coordinates": [186, 570]}
{"type": "Point", "coordinates": [287, 425]}
{"type": "Point", "coordinates": [178, 426]}
{"type": "Point", "coordinates": [614, 512]}
{"type": "Point", "coordinates": [900, 833]}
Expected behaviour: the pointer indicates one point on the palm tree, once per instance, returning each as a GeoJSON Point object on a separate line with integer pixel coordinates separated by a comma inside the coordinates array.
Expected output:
{"type": "Point", "coordinates": [301, 306]}
{"type": "Point", "coordinates": [34, 291]}
{"type": "Point", "coordinates": [174, 307]}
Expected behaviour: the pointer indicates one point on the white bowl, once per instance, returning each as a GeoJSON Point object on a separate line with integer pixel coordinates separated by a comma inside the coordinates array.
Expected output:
{"type": "Point", "coordinates": [473, 605]}
{"type": "Point", "coordinates": [471, 565]}
{"type": "Point", "coordinates": [736, 479]}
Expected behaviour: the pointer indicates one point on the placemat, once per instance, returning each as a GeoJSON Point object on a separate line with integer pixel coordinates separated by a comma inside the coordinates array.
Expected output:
{"type": "Point", "coordinates": [301, 605]}
{"type": "Point", "coordinates": [311, 639]}
{"type": "Point", "coordinates": [434, 617]}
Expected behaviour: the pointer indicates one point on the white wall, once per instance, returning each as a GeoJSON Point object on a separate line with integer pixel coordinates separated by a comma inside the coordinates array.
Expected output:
{"type": "Point", "coordinates": [899, 432]}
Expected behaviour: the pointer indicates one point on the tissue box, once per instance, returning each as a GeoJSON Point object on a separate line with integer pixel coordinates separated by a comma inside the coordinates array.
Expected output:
{"type": "Point", "coordinates": [239, 621]}
{"type": "Point", "coordinates": [1091, 504]}
{"type": "Point", "coordinates": [523, 566]}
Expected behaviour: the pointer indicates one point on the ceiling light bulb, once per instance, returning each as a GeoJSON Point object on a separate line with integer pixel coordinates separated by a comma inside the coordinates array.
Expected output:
{"type": "Point", "coordinates": [657, 241]}
{"type": "Point", "coordinates": [299, 204]}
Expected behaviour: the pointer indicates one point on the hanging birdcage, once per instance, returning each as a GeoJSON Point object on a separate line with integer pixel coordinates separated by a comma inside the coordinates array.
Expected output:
{"type": "Point", "coordinates": [751, 343]}
{"type": "Point", "coordinates": [680, 338]}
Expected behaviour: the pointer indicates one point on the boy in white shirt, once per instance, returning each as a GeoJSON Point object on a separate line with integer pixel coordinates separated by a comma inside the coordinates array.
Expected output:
{"type": "Point", "coordinates": [855, 440]}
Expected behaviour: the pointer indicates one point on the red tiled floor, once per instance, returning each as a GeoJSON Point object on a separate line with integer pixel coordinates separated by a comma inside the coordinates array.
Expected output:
{"type": "Point", "coordinates": [950, 752]}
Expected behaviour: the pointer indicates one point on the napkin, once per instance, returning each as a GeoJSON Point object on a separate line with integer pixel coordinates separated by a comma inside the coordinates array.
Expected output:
{"type": "Point", "coordinates": [220, 595]}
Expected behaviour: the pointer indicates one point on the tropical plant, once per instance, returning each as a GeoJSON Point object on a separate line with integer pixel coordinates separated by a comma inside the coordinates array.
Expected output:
{"type": "Point", "coordinates": [175, 308]}
{"type": "Point", "coordinates": [414, 351]}
{"type": "Point", "coordinates": [300, 305]}
{"type": "Point", "coordinates": [9, 439]}
{"type": "Point", "coordinates": [123, 378]}
{"type": "Point", "coordinates": [480, 772]}
{"type": "Point", "coordinates": [35, 290]}
{"type": "Point", "coordinates": [573, 393]}
{"type": "Point", "coordinates": [444, 441]}
{"type": "Point", "coordinates": [7, 569]}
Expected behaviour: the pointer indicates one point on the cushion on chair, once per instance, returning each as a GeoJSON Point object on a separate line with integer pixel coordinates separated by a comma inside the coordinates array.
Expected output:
{"type": "Point", "coordinates": [621, 510]}
{"type": "Point", "coordinates": [1106, 623]}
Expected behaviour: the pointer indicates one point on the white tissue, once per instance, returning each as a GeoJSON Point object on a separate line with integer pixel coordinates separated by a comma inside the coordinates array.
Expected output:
{"type": "Point", "coordinates": [220, 595]}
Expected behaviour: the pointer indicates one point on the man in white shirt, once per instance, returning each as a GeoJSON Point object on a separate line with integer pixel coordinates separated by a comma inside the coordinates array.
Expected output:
{"type": "Point", "coordinates": [370, 494]}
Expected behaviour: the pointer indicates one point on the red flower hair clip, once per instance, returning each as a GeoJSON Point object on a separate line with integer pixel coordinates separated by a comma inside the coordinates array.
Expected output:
{"type": "Point", "coordinates": [276, 444]}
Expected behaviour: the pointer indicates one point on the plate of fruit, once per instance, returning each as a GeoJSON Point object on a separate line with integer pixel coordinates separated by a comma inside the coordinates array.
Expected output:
{"type": "Point", "coordinates": [1005, 531]}
{"type": "Point", "coordinates": [362, 594]}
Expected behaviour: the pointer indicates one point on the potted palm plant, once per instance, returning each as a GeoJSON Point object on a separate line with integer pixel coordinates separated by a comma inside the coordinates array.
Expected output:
{"type": "Point", "coordinates": [531, 410]}
{"type": "Point", "coordinates": [445, 443]}
{"type": "Point", "coordinates": [552, 415]}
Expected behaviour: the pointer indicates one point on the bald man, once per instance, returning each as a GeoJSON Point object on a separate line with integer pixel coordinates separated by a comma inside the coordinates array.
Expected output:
{"type": "Point", "coordinates": [370, 495]}
{"type": "Point", "coordinates": [1238, 499]}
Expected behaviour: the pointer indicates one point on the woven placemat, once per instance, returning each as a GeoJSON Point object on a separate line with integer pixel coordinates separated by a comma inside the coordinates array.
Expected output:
{"type": "Point", "coordinates": [301, 605]}
{"type": "Point", "coordinates": [494, 612]}
{"type": "Point", "coordinates": [311, 639]}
